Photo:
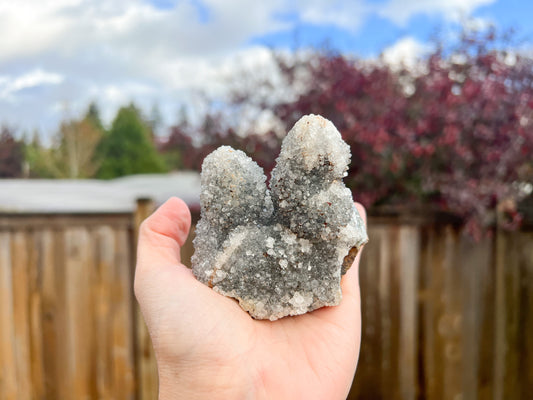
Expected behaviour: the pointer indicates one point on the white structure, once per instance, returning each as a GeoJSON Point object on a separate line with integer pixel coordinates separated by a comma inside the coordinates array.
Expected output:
{"type": "Point", "coordinates": [96, 196]}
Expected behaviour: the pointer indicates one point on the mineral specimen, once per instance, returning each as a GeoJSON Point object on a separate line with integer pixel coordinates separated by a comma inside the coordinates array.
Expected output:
{"type": "Point", "coordinates": [281, 251]}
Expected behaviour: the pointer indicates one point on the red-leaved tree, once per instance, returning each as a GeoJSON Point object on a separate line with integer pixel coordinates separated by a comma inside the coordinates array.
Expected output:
{"type": "Point", "coordinates": [454, 133]}
{"type": "Point", "coordinates": [11, 155]}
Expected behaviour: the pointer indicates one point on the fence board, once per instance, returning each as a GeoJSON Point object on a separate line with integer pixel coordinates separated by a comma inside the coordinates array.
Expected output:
{"type": "Point", "coordinates": [50, 308]}
{"type": "Point", "coordinates": [21, 317]}
{"type": "Point", "coordinates": [8, 377]}
{"type": "Point", "coordinates": [409, 251]}
{"type": "Point", "coordinates": [452, 322]}
{"type": "Point", "coordinates": [79, 312]}
{"type": "Point", "coordinates": [475, 269]}
{"type": "Point", "coordinates": [369, 377]}
{"type": "Point", "coordinates": [105, 250]}
{"type": "Point", "coordinates": [147, 379]}
{"type": "Point", "coordinates": [123, 346]}
{"type": "Point", "coordinates": [525, 347]}
{"type": "Point", "coordinates": [35, 303]}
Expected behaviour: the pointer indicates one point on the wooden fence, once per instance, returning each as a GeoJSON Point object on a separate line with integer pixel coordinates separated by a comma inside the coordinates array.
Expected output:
{"type": "Point", "coordinates": [443, 317]}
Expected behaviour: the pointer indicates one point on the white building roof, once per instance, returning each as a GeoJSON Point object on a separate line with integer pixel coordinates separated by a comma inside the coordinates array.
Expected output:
{"type": "Point", "coordinates": [95, 196]}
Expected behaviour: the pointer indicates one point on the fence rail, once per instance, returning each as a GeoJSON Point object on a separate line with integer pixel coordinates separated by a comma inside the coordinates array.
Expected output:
{"type": "Point", "coordinates": [443, 317]}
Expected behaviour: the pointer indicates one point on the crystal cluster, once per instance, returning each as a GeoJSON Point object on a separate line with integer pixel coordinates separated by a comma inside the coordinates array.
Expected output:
{"type": "Point", "coordinates": [281, 251]}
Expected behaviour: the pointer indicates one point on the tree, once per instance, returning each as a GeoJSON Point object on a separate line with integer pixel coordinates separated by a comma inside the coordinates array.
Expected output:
{"type": "Point", "coordinates": [457, 138]}
{"type": "Point", "coordinates": [93, 116]}
{"type": "Point", "coordinates": [213, 133]}
{"type": "Point", "coordinates": [37, 157]}
{"type": "Point", "coordinates": [11, 155]}
{"type": "Point", "coordinates": [127, 148]}
{"type": "Point", "coordinates": [454, 134]}
{"type": "Point", "coordinates": [72, 153]}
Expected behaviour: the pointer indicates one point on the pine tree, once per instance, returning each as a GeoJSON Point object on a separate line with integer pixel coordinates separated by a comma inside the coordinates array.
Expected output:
{"type": "Point", "coordinates": [127, 148]}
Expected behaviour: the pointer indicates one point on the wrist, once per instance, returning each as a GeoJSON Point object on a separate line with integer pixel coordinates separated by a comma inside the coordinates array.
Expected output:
{"type": "Point", "coordinates": [206, 382]}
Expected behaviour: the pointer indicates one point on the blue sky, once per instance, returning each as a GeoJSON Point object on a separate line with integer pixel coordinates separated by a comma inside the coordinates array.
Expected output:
{"type": "Point", "coordinates": [377, 32]}
{"type": "Point", "coordinates": [56, 57]}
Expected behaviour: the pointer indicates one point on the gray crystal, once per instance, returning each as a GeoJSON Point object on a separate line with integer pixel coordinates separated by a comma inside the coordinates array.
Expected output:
{"type": "Point", "coordinates": [281, 251]}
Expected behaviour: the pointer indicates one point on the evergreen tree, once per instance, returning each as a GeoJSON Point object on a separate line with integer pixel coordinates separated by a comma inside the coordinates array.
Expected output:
{"type": "Point", "coordinates": [127, 148]}
{"type": "Point", "coordinates": [179, 140]}
{"type": "Point", "coordinates": [38, 159]}
{"type": "Point", "coordinates": [93, 116]}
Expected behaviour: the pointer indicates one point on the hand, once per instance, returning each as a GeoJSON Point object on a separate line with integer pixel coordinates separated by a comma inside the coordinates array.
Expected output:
{"type": "Point", "coordinates": [206, 346]}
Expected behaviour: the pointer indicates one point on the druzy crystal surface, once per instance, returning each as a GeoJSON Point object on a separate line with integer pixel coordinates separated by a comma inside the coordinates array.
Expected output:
{"type": "Point", "coordinates": [279, 251]}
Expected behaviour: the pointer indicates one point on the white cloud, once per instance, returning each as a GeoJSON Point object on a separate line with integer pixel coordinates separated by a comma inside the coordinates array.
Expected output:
{"type": "Point", "coordinates": [129, 50]}
{"type": "Point", "coordinates": [10, 86]}
{"type": "Point", "coordinates": [122, 51]}
{"type": "Point", "coordinates": [401, 11]}
{"type": "Point", "coordinates": [405, 52]}
{"type": "Point", "coordinates": [345, 14]}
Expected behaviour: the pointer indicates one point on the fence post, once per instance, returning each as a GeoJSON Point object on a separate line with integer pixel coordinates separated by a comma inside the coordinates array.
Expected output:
{"type": "Point", "coordinates": [147, 381]}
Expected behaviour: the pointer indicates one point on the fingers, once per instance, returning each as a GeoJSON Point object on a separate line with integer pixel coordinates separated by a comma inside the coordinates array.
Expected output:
{"type": "Point", "coordinates": [362, 211]}
{"type": "Point", "coordinates": [163, 233]}
{"type": "Point", "coordinates": [350, 281]}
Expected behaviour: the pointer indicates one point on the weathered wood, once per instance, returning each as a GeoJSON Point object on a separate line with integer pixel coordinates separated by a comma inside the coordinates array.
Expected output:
{"type": "Point", "coordinates": [409, 260]}
{"type": "Point", "coordinates": [443, 316]}
{"type": "Point", "coordinates": [50, 308]}
{"type": "Point", "coordinates": [79, 322]}
{"type": "Point", "coordinates": [450, 320]}
{"type": "Point", "coordinates": [367, 378]}
{"type": "Point", "coordinates": [103, 308]}
{"type": "Point", "coordinates": [475, 261]}
{"type": "Point", "coordinates": [123, 339]}
{"type": "Point", "coordinates": [8, 375]}
{"type": "Point", "coordinates": [62, 221]}
{"type": "Point", "coordinates": [432, 288]}
{"type": "Point", "coordinates": [525, 249]}
{"type": "Point", "coordinates": [35, 310]}
{"type": "Point", "coordinates": [385, 315]}
{"type": "Point", "coordinates": [147, 379]}
{"type": "Point", "coordinates": [508, 351]}
{"type": "Point", "coordinates": [21, 316]}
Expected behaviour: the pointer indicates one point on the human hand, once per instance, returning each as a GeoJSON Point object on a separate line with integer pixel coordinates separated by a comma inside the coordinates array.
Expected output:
{"type": "Point", "coordinates": [206, 346]}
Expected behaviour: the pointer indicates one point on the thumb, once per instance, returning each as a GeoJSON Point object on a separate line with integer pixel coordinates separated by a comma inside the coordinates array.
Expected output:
{"type": "Point", "coordinates": [162, 234]}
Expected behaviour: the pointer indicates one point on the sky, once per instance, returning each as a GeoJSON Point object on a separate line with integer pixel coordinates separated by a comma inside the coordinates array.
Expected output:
{"type": "Point", "coordinates": [58, 56]}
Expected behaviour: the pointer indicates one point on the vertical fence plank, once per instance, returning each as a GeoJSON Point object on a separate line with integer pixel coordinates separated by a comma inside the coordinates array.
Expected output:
{"type": "Point", "coordinates": [508, 313]}
{"type": "Point", "coordinates": [450, 325]}
{"type": "Point", "coordinates": [147, 379]}
{"type": "Point", "coordinates": [8, 377]}
{"type": "Point", "coordinates": [123, 346]}
{"type": "Point", "coordinates": [475, 263]}
{"type": "Point", "coordinates": [385, 333]}
{"type": "Point", "coordinates": [79, 312]}
{"type": "Point", "coordinates": [432, 281]}
{"type": "Point", "coordinates": [50, 307]}
{"type": "Point", "coordinates": [525, 348]}
{"type": "Point", "coordinates": [36, 324]}
{"type": "Point", "coordinates": [64, 382]}
{"type": "Point", "coordinates": [409, 245]}
{"type": "Point", "coordinates": [103, 304]}
{"type": "Point", "coordinates": [21, 316]}
{"type": "Point", "coordinates": [367, 379]}
{"type": "Point", "coordinates": [506, 319]}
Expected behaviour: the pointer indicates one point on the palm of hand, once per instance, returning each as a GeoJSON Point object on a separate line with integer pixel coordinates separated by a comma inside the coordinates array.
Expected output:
{"type": "Point", "coordinates": [206, 345]}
